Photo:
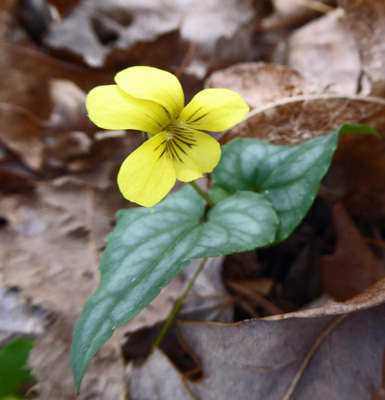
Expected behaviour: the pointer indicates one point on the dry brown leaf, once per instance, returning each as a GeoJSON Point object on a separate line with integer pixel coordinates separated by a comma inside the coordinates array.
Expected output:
{"type": "Point", "coordinates": [207, 296]}
{"type": "Point", "coordinates": [49, 250]}
{"type": "Point", "coordinates": [301, 355]}
{"type": "Point", "coordinates": [366, 19]}
{"type": "Point", "coordinates": [6, 20]}
{"type": "Point", "coordinates": [222, 30]}
{"type": "Point", "coordinates": [324, 50]}
{"type": "Point", "coordinates": [296, 119]}
{"type": "Point", "coordinates": [17, 317]}
{"type": "Point", "coordinates": [146, 382]}
{"type": "Point", "coordinates": [27, 100]}
{"type": "Point", "coordinates": [291, 13]}
{"type": "Point", "coordinates": [260, 83]}
{"type": "Point", "coordinates": [372, 297]}
{"type": "Point", "coordinates": [14, 178]}
{"type": "Point", "coordinates": [114, 32]}
{"type": "Point", "coordinates": [380, 393]}
{"type": "Point", "coordinates": [63, 6]}
{"type": "Point", "coordinates": [50, 363]}
{"type": "Point", "coordinates": [21, 133]}
{"type": "Point", "coordinates": [68, 107]}
{"type": "Point", "coordinates": [358, 170]}
{"type": "Point", "coordinates": [293, 355]}
{"type": "Point", "coordinates": [352, 267]}
{"type": "Point", "coordinates": [206, 301]}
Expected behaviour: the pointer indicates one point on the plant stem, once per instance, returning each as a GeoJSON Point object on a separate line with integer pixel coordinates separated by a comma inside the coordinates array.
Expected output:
{"type": "Point", "coordinates": [177, 306]}
{"type": "Point", "coordinates": [206, 197]}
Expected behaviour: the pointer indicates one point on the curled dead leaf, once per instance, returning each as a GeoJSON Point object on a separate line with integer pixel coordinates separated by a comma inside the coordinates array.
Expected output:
{"type": "Point", "coordinates": [261, 83]}
{"type": "Point", "coordinates": [304, 351]}
{"type": "Point", "coordinates": [358, 170]}
{"type": "Point", "coordinates": [296, 119]}
{"type": "Point", "coordinates": [353, 266]}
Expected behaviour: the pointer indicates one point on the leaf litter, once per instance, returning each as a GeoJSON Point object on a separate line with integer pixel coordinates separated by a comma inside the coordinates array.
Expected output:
{"type": "Point", "coordinates": [303, 73]}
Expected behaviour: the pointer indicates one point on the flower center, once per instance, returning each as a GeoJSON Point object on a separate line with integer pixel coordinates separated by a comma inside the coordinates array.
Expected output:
{"type": "Point", "coordinates": [179, 140]}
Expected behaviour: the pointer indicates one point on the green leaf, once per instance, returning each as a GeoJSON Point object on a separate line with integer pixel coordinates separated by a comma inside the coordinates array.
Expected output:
{"type": "Point", "coordinates": [348, 129]}
{"type": "Point", "coordinates": [288, 176]}
{"type": "Point", "coordinates": [149, 247]}
{"type": "Point", "coordinates": [13, 371]}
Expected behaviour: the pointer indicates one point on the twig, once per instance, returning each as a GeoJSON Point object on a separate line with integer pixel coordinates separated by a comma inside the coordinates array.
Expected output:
{"type": "Point", "coordinates": [260, 300]}
{"type": "Point", "coordinates": [186, 61]}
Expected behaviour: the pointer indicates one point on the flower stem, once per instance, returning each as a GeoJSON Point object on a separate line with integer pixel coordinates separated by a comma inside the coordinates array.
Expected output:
{"type": "Point", "coordinates": [208, 199]}
{"type": "Point", "coordinates": [177, 306]}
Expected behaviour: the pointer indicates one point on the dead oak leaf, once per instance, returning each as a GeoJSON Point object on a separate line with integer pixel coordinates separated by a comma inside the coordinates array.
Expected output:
{"type": "Point", "coordinates": [300, 355]}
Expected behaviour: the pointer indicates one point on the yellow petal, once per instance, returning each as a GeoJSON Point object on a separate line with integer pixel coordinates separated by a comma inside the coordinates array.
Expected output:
{"type": "Point", "coordinates": [153, 84]}
{"type": "Point", "coordinates": [193, 153]}
{"type": "Point", "coordinates": [147, 174]}
{"type": "Point", "coordinates": [110, 108]}
{"type": "Point", "coordinates": [214, 110]}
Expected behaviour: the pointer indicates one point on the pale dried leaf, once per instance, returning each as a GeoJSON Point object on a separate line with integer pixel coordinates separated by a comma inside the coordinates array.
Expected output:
{"type": "Point", "coordinates": [324, 50]}
{"type": "Point", "coordinates": [101, 31]}
{"type": "Point", "coordinates": [17, 317]}
{"type": "Point", "coordinates": [68, 107]}
{"type": "Point", "coordinates": [260, 83]}
{"type": "Point", "coordinates": [50, 249]}
{"type": "Point", "coordinates": [366, 19]}
{"type": "Point", "coordinates": [291, 13]}
{"type": "Point", "coordinates": [50, 362]}
{"type": "Point", "coordinates": [222, 31]}
{"type": "Point", "coordinates": [157, 379]}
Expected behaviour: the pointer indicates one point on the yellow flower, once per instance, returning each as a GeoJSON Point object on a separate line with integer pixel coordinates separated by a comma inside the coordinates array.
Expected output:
{"type": "Point", "coordinates": [151, 100]}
